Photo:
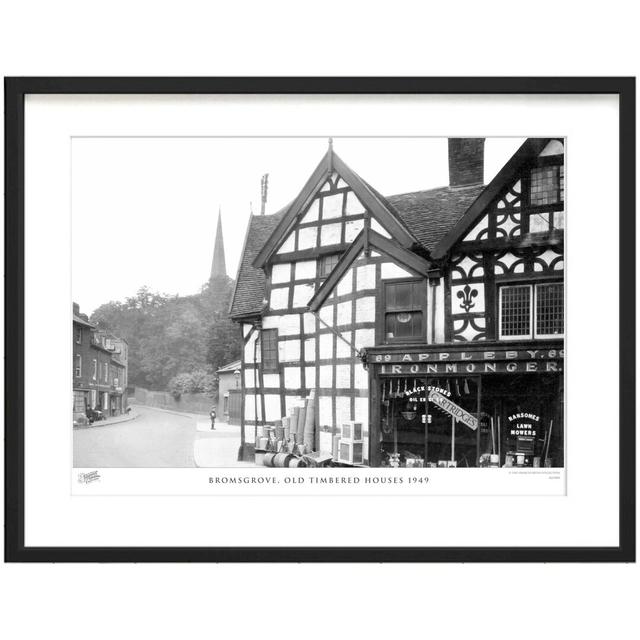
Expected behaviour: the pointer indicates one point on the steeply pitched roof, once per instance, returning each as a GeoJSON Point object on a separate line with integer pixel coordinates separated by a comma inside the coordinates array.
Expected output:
{"type": "Point", "coordinates": [249, 289]}
{"type": "Point", "coordinates": [429, 215]}
{"type": "Point", "coordinates": [78, 320]}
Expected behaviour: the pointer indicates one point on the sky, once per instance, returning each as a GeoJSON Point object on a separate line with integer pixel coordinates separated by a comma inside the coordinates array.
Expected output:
{"type": "Point", "coordinates": [144, 210]}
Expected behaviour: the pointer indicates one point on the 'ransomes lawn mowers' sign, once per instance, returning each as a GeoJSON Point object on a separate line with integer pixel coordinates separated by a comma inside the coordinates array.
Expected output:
{"type": "Point", "coordinates": [453, 410]}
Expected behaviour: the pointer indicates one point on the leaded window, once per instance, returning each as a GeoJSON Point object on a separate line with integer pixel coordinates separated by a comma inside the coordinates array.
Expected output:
{"type": "Point", "coordinates": [547, 184]}
{"type": "Point", "coordinates": [328, 264]}
{"type": "Point", "coordinates": [531, 311]}
{"type": "Point", "coordinates": [269, 349]}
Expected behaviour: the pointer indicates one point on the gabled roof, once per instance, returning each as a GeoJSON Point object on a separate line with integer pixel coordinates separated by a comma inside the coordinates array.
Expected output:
{"type": "Point", "coordinates": [528, 150]}
{"type": "Point", "coordinates": [331, 162]}
{"type": "Point", "coordinates": [249, 289]}
{"type": "Point", "coordinates": [367, 238]}
{"type": "Point", "coordinates": [78, 320]}
{"type": "Point", "coordinates": [229, 368]}
{"type": "Point", "coordinates": [428, 214]}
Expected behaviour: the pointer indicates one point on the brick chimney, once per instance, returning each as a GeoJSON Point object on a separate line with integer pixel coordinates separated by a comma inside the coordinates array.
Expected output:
{"type": "Point", "coordinates": [466, 161]}
{"type": "Point", "coordinates": [76, 309]}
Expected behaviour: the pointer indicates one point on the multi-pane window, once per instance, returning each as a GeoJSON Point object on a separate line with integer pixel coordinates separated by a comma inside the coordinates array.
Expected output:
{"type": "Point", "coordinates": [78, 365]}
{"type": "Point", "coordinates": [106, 371]}
{"type": "Point", "coordinates": [547, 184]}
{"type": "Point", "coordinates": [404, 311]}
{"type": "Point", "coordinates": [328, 263]}
{"type": "Point", "coordinates": [269, 349]}
{"type": "Point", "coordinates": [78, 335]}
{"type": "Point", "coordinates": [531, 311]}
{"type": "Point", "coordinates": [94, 374]}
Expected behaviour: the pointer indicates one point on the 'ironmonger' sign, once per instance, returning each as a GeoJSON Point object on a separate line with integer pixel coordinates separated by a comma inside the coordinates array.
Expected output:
{"type": "Point", "coordinates": [516, 366]}
{"type": "Point", "coordinates": [453, 410]}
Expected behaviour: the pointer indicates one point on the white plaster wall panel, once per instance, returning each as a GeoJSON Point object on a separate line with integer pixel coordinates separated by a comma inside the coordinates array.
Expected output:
{"type": "Point", "coordinates": [245, 329]}
{"type": "Point", "coordinates": [271, 380]}
{"type": "Point", "coordinates": [272, 406]}
{"type": "Point", "coordinates": [391, 270]}
{"type": "Point", "coordinates": [365, 338]}
{"type": "Point", "coordinates": [343, 313]}
{"type": "Point", "coordinates": [361, 377]}
{"type": "Point", "coordinates": [309, 323]}
{"type": "Point", "coordinates": [302, 293]}
{"type": "Point", "coordinates": [279, 298]}
{"type": "Point", "coordinates": [343, 410]}
{"type": "Point", "coordinates": [375, 254]}
{"type": "Point", "coordinates": [281, 273]}
{"type": "Point", "coordinates": [271, 322]}
{"type": "Point", "coordinates": [305, 270]}
{"type": "Point", "coordinates": [326, 315]}
{"type": "Point", "coordinates": [289, 244]}
{"type": "Point", "coordinates": [378, 228]}
{"type": "Point", "coordinates": [307, 238]}
{"type": "Point", "coordinates": [310, 350]}
{"type": "Point", "coordinates": [343, 376]}
{"type": "Point", "coordinates": [326, 346]}
{"type": "Point", "coordinates": [330, 234]}
{"type": "Point", "coordinates": [366, 309]}
{"type": "Point", "coordinates": [325, 187]}
{"type": "Point", "coordinates": [325, 413]}
{"type": "Point", "coordinates": [312, 212]}
{"type": "Point", "coordinates": [249, 378]}
{"type": "Point", "coordinates": [289, 325]}
{"type": "Point", "coordinates": [353, 206]}
{"type": "Point", "coordinates": [558, 266]}
{"type": "Point", "coordinates": [325, 376]}
{"type": "Point", "coordinates": [459, 296]}
{"type": "Point", "coordinates": [289, 350]}
{"type": "Point", "coordinates": [249, 349]}
{"type": "Point", "coordinates": [345, 286]}
{"type": "Point", "coordinates": [343, 350]}
{"type": "Point", "coordinates": [479, 231]}
{"type": "Point", "coordinates": [341, 184]}
{"type": "Point", "coordinates": [332, 206]}
{"type": "Point", "coordinates": [250, 408]}
{"type": "Point", "coordinates": [292, 377]}
{"type": "Point", "coordinates": [352, 229]}
{"type": "Point", "coordinates": [366, 277]}
{"type": "Point", "coordinates": [310, 377]}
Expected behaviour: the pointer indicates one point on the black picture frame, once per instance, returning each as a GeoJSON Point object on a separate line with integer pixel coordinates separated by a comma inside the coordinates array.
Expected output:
{"type": "Point", "coordinates": [15, 91]}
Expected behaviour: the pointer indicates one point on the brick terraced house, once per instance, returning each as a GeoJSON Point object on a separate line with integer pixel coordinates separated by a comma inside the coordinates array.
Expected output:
{"type": "Point", "coordinates": [434, 318]}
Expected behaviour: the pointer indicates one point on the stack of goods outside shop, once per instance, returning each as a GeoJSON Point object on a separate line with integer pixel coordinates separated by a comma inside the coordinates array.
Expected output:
{"type": "Point", "coordinates": [295, 441]}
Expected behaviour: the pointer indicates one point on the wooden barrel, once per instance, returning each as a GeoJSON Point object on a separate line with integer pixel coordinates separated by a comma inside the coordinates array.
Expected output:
{"type": "Point", "coordinates": [268, 459]}
{"type": "Point", "coordinates": [297, 462]}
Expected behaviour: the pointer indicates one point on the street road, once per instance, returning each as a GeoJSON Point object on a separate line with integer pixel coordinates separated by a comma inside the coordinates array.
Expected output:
{"type": "Point", "coordinates": [154, 439]}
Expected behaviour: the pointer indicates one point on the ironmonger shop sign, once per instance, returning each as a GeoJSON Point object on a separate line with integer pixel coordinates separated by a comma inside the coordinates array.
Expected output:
{"type": "Point", "coordinates": [476, 355]}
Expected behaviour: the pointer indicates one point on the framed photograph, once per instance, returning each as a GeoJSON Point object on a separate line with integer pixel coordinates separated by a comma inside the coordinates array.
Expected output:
{"type": "Point", "coordinates": [320, 319]}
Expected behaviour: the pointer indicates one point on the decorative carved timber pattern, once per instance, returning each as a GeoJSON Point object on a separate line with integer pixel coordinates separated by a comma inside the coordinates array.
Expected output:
{"type": "Point", "coordinates": [508, 224]}
{"type": "Point", "coordinates": [467, 295]}
{"type": "Point", "coordinates": [469, 329]}
{"type": "Point", "coordinates": [464, 267]}
{"type": "Point", "coordinates": [511, 262]}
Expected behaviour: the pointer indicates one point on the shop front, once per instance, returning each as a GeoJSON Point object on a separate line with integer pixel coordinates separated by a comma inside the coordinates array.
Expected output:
{"type": "Point", "coordinates": [488, 405]}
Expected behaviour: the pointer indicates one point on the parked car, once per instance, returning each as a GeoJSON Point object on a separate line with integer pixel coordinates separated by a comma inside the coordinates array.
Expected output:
{"type": "Point", "coordinates": [94, 414]}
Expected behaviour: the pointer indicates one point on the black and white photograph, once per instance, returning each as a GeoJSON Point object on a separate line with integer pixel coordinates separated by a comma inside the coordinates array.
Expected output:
{"type": "Point", "coordinates": [318, 302]}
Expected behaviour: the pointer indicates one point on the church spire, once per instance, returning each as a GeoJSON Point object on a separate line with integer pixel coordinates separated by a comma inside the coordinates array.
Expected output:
{"type": "Point", "coordinates": [218, 265]}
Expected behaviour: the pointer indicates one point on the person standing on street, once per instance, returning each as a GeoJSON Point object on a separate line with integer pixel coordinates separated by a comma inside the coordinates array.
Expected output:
{"type": "Point", "coordinates": [212, 415]}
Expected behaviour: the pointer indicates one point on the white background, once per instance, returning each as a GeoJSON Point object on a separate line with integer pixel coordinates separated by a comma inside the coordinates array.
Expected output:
{"type": "Point", "coordinates": [189, 38]}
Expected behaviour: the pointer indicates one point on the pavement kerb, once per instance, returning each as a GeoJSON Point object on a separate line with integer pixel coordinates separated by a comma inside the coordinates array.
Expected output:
{"type": "Point", "coordinates": [108, 423]}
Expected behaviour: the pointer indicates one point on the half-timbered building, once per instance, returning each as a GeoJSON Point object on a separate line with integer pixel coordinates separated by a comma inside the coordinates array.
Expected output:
{"type": "Point", "coordinates": [434, 318]}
